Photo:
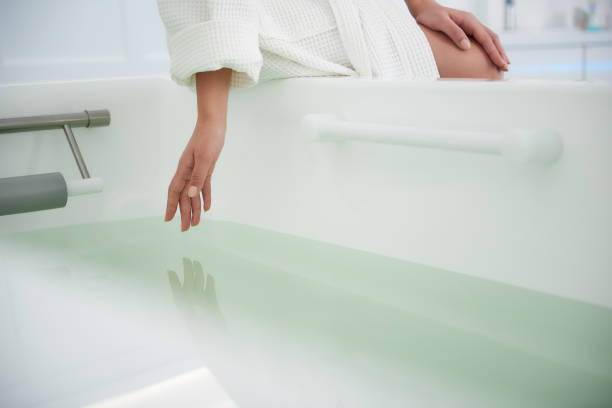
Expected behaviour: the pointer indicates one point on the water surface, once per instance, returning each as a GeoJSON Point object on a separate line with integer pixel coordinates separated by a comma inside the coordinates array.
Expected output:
{"type": "Point", "coordinates": [96, 310]}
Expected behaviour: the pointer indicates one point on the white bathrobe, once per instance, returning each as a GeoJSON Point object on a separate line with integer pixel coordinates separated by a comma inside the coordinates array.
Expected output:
{"type": "Point", "coordinates": [269, 39]}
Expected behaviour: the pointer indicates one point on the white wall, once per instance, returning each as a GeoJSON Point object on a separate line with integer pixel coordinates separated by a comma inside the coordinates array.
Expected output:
{"type": "Point", "coordinates": [72, 39]}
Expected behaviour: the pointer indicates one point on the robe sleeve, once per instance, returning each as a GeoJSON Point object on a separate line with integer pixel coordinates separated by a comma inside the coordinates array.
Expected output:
{"type": "Point", "coordinates": [207, 35]}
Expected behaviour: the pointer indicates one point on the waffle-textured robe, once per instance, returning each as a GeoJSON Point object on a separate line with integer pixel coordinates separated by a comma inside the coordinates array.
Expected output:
{"type": "Point", "coordinates": [269, 39]}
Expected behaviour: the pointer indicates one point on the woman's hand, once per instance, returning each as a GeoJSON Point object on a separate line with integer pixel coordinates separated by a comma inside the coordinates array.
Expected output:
{"type": "Point", "coordinates": [195, 168]}
{"type": "Point", "coordinates": [458, 25]}
{"type": "Point", "coordinates": [192, 177]}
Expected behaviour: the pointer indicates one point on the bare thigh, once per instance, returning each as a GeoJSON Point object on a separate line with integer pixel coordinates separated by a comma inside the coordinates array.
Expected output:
{"type": "Point", "coordinates": [454, 62]}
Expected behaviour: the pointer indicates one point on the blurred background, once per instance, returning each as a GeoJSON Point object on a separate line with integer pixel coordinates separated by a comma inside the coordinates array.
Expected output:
{"type": "Point", "coordinates": [42, 40]}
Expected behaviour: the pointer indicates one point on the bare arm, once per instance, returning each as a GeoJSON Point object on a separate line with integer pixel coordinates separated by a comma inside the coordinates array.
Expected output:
{"type": "Point", "coordinates": [458, 25]}
{"type": "Point", "coordinates": [191, 182]}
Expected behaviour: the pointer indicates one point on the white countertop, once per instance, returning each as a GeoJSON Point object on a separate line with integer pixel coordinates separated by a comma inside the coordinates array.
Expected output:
{"type": "Point", "coordinates": [554, 38]}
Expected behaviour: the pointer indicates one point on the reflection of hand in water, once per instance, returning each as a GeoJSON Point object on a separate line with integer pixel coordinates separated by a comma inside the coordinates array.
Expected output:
{"type": "Point", "coordinates": [196, 298]}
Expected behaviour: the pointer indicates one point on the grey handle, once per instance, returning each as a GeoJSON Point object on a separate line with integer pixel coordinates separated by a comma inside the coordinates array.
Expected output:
{"type": "Point", "coordinates": [93, 118]}
{"type": "Point", "coordinates": [32, 193]}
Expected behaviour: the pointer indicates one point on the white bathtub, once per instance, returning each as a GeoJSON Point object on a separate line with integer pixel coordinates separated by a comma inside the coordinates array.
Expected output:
{"type": "Point", "coordinates": [537, 229]}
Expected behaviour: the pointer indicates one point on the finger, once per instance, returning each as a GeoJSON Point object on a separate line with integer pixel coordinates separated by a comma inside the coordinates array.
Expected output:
{"type": "Point", "coordinates": [473, 27]}
{"type": "Point", "coordinates": [498, 44]}
{"type": "Point", "coordinates": [185, 208]}
{"type": "Point", "coordinates": [198, 176]}
{"type": "Point", "coordinates": [455, 33]}
{"type": "Point", "coordinates": [207, 194]}
{"type": "Point", "coordinates": [485, 40]}
{"type": "Point", "coordinates": [196, 210]}
{"type": "Point", "coordinates": [174, 191]}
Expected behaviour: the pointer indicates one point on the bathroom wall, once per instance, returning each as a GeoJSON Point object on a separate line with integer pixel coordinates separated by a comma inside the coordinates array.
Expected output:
{"type": "Point", "coordinates": [536, 15]}
{"type": "Point", "coordinates": [71, 39]}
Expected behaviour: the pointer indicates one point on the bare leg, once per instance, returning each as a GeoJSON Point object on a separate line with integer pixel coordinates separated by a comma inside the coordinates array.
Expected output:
{"type": "Point", "coordinates": [453, 62]}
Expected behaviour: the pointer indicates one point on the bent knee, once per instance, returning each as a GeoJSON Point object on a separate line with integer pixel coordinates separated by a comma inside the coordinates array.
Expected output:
{"type": "Point", "coordinates": [481, 65]}
{"type": "Point", "coordinates": [488, 70]}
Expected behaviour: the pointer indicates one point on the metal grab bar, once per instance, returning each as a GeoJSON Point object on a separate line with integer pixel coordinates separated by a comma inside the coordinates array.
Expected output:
{"type": "Point", "coordinates": [542, 146]}
{"type": "Point", "coordinates": [87, 118]}
{"type": "Point", "coordinates": [76, 152]}
{"type": "Point", "coordinates": [51, 190]}
{"type": "Point", "coordinates": [64, 121]}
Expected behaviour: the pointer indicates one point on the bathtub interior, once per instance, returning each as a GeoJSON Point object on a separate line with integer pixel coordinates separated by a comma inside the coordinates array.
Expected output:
{"type": "Point", "coordinates": [345, 274]}
{"type": "Point", "coordinates": [107, 312]}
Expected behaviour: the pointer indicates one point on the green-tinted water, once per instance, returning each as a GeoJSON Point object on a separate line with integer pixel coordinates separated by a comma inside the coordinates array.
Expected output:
{"type": "Point", "coordinates": [334, 326]}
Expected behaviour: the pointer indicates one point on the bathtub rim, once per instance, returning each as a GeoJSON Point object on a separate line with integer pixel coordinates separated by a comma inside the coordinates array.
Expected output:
{"type": "Point", "coordinates": [363, 83]}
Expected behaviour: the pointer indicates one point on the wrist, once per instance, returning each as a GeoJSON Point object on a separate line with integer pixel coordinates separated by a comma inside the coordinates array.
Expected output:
{"type": "Point", "coordinates": [416, 6]}
{"type": "Point", "coordinates": [212, 88]}
{"type": "Point", "coordinates": [212, 126]}
{"type": "Point", "coordinates": [211, 119]}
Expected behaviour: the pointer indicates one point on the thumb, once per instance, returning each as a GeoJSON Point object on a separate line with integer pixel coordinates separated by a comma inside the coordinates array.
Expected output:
{"type": "Point", "coordinates": [456, 33]}
{"type": "Point", "coordinates": [198, 175]}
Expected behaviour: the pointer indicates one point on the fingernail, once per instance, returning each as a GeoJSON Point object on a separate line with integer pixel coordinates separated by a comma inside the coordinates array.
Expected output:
{"type": "Point", "coordinates": [193, 190]}
{"type": "Point", "coordinates": [465, 44]}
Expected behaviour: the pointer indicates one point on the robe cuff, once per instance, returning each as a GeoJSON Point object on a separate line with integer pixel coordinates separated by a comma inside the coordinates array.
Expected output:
{"type": "Point", "coordinates": [213, 45]}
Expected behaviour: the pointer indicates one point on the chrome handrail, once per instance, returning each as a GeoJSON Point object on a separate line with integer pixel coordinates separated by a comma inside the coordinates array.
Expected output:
{"type": "Point", "coordinates": [76, 152]}
{"type": "Point", "coordinates": [64, 121]}
{"type": "Point", "coordinates": [86, 118]}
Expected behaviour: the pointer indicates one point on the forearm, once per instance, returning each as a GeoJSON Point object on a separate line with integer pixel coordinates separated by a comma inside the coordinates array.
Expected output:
{"type": "Point", "coordinates": [416, 5]}
{"type": "Point", "coordinates": [212, 88]}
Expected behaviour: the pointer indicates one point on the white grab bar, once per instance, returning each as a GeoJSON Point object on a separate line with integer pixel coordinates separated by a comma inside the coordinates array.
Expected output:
{"type": "Point", "coordinates": [542, 146]}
